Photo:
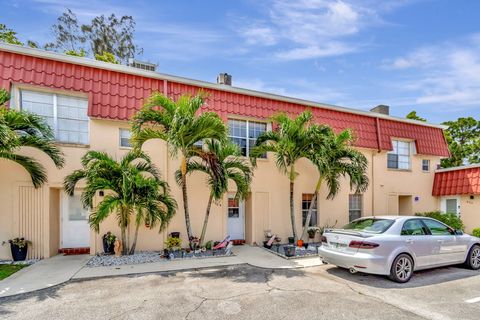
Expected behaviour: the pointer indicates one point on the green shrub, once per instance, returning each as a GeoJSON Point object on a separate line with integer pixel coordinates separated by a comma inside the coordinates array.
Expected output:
{"type": "Point", "coordinates": [450, 219]}
{"type": "Point", "coordinates": [476, 232]}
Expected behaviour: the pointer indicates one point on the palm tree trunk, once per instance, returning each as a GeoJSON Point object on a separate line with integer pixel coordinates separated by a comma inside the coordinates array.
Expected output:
{"type": "Point", "coordinates": [134, 244]}
{"type": "Point", "coordinates": [205, 221]}
{"type": "Point", "coordinates": [185, 197]}
{"type": "Point", "coordinates": [312, 205]}
{"type": "Point", "coordinates": [123, 227]}
{"type": "Point", "coordinates": [292, 204]}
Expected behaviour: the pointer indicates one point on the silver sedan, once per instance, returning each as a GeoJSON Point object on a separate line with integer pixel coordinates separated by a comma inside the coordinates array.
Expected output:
{"type": "Point", "coordinates": [398, 245]}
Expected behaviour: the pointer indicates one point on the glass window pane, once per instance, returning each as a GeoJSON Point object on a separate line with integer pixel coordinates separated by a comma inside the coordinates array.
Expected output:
{"type": "Point", "coordinates": [413, 228]}
{"type": "Point", "coordinates": [306, 201]}
{"type": "Point", "coordinates": [437, 228]}
{"type": "Point", "coordinates": [242, 144]}
{"type": "Point", "coordinates": [451, 206]}
{"type": "Point", "coordinates": [125, 136]}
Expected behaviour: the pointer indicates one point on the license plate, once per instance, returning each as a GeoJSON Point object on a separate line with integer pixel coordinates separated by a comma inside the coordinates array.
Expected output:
{"type": "Point", "coordinates": [337, 245]}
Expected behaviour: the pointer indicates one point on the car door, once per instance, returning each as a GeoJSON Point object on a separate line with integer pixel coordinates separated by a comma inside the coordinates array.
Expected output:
{"type": "Point", "coordinates": [416, 238]}
{"type": "Point", "coordinates": [446, 248]}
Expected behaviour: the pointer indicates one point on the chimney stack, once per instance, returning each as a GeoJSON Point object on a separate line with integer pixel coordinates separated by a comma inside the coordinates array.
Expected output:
{"type": "Point", "coordinates": [381, 108]}
{"type": "Point", "coordinates": [224, 78]}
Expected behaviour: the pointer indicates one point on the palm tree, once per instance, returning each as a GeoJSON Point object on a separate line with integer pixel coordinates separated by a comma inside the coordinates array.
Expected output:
{"type": "Point", "coordinates": [23, 129]}
{"type": "Point", "coordinates": [182, 126]}
{"type": "Point", "coordinates": [221, 162]}
{"type": "Point", "coordinates": [334, 158]}
{"type": "Point", "coordinates": [133, 186]}
{"type": "Point", "coordinates": [290, 142]}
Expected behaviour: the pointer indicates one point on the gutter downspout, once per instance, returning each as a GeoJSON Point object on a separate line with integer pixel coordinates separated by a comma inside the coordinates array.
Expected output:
{"type": "Point", "coordinates": [379, 149]}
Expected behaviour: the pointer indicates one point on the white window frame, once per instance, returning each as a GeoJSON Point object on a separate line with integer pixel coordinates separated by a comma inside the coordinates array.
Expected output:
{"type": "Point", "coordinates": [358, 209]}
{"type": "Point", "coordinates": [314, 211]}
{"type": "Point", "coordinates": [247, 122]}
{"type": "Point", "coordinates": [120, 138]}
{"type": "Point", "coordinates": [443, 203]}
{"type": "Point", "coordinates": [17, 103]}
{"type": "Point", "coordinates": [411, 151]}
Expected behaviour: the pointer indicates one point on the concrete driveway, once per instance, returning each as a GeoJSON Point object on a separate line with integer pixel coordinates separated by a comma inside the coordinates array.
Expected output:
{"type": "Point", "coordinates": [245, 292]}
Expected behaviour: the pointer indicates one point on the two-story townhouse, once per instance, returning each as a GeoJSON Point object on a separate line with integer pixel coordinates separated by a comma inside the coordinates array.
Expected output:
{"type": "Point", "coordinates": [88, 103]}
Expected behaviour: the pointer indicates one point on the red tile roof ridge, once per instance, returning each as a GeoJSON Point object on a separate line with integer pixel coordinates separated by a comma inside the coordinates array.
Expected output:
{"type": "Point", "coordinates": [199, 83]}
{"type": "Point", "coordinates": [464, 167]}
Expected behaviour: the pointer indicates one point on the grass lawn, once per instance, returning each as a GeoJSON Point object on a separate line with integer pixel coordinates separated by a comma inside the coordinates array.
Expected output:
{"type": "Point", "coordinates": [8, 269]}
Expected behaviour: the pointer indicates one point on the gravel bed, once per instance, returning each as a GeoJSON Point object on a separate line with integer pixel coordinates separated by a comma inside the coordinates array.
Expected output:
{"type": "Point", "coordinates": [26, 262]}
{"type": "Point", "coordinates": [101, 260]}
{"type": "Point", "coordinates": [300, 252]}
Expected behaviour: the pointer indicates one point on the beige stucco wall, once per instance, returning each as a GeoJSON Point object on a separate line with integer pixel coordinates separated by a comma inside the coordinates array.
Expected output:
{"type": "Point", "coordinates": [470, 212]}
{"type": "Point", "coordinates": [266, 208]}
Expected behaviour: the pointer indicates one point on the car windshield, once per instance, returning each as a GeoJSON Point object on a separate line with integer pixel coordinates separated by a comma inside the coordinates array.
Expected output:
{"type": "Point", "coordinates": [370, 225]}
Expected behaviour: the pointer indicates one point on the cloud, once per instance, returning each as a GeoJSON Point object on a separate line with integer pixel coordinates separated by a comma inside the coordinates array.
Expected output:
{"type": "Point", "coordinates": [308, 29]}
{"type": "Point", "coordinates": [294, 87]}
{"type": "Point", "coordinates": [446, 73]}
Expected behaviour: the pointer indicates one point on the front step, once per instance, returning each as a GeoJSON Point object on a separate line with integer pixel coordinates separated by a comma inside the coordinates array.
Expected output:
{"type": "Point", "coordinates": [74, 251]}
{"type": "Point", "coordinates": [238, 242]}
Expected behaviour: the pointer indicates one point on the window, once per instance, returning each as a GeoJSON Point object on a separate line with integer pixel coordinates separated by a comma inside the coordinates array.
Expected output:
{"type": "Point", "coordinates": [244, 133]}
{"type": "Point", "coordinates": [414, 227]}
{"type": "Point", "coordinates": [425, 165]}
{"type": "Point", "coordinates": [355, 205]}
{"type": "Point", "coordinates": [451, 206]}
{"type": "Point", "coordinates": [233, 208]}
{"type": "Point", "coordinates": [125, 136]}
{"type": "Point", "coordinates": [66, 115]}
{"type": "Point", "coordinates": [306, 201]}
{"type": "Point", "coordinates": [437, 228]}
{"type": "Point", "coordinates": [399, 157]}
{"type": "Point", "coordinates": [370, 225]}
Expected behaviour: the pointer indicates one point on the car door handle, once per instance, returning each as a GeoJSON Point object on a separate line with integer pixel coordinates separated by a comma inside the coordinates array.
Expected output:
{"type": "Point", "coordinates": [409, 241]}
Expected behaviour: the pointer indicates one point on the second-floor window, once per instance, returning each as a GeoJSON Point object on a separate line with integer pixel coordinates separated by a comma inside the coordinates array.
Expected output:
{"type": "Point", "coordinates": [244, 133]}
{"type": "Point", "coordinates": [399, 157]}
{"type": "Point", "coordinates": [66, 115]}
{"type": "Point", "coordinates": [425, 165]}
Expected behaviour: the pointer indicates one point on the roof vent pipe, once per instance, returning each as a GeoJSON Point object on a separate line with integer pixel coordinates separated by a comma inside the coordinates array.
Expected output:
{"type": "Point", "coordinates": [224, 78]}
{"type": "Point", "coordinates": [381, 108]}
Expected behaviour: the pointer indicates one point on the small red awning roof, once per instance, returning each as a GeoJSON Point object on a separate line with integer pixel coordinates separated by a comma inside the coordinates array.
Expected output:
{"type": "Point", "coordinates": [457, 181]}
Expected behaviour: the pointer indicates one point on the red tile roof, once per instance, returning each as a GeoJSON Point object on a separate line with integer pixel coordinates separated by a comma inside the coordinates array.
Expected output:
{"type": "Point", "coordinates": [457, 181]}
{"type": "Point", "coordinates": [116, 94]}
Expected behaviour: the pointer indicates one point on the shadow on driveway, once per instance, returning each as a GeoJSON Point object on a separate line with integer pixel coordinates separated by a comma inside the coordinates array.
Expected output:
{"type": "Point", "coordinates": [420, 278]}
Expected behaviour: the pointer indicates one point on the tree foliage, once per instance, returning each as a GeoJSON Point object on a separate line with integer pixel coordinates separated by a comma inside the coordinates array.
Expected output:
{"type": "Point", "coordinates": [134, 190]}
{"type": "Point", "coordinates": [181, 124]}
{"type": "Point", "coordinates": [413, 116]}
{"type": "Point", "coordinates": [463, 138]}
{"type": "Point", "coordinates": [102, 37]}
{"type": "Point", "coordinates": [20, 129]}
{"type": "Point", "coordinates": [9, 36]}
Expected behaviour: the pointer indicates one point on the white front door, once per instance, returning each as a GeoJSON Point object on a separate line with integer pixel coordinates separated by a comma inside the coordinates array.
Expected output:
{"type": "Point", "coordinates": [236, 218]}
{"type": "Point", "coordinates": [75, 228]}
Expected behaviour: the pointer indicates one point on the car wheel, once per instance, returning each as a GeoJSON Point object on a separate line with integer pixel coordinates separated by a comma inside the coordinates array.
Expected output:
{"type": "Point", "coordinates": [473, 258]}
{"type": "Point", "coordinates": [402, 268]}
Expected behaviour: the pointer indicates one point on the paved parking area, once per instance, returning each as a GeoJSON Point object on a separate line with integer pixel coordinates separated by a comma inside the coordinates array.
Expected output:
{"type": "Point", "coordinates": [245, 292]}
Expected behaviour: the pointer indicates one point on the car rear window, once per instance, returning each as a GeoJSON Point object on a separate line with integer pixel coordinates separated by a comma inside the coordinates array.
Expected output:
{"type": "Point", "coordinates": [370, 225]}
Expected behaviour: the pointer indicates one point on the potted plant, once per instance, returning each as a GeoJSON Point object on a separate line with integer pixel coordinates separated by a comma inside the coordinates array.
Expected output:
{"type": "Point", "coordinates": [173, 244]}
{"type": "Point", "coordinates": [289, 250]}
{"type": "Point", "coordinates": [312, 231]}
{"type": "Point", "coordinates": [19, 248]}
{"type": "Point", "coordinates": [108, 240]}
{"type": "Point", "coordinates": [291, 240]}
{"type": "Point", "coordinates": [175, 234]}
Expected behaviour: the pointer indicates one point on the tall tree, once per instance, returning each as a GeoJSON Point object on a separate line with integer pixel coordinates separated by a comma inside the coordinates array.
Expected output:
{"type": "Point", "coordinates": [9, 36]}
{"type": "Point", "coordinates": [20, 129]}
{"type": "Point", "coordinates": [113, 35]}
{"type": "Point", "coordinates": [181, 124]}
{"type": "Point", "coordinates": [68, 34]}
{"type": "Point", "coordinates": [103, 35]}
{"type": "Point", "coordinates": [335, 158]}
{"type": "Point", "coordinates": [221, 162]}
{"type": "Point", "coordinates": [134, 190]}
{"type": "Point", "coordinates": [413, 116]}
{"type": "Point", "coordinates": [290, 142]}
{"type": "Point", "coordinates": [463, 138]}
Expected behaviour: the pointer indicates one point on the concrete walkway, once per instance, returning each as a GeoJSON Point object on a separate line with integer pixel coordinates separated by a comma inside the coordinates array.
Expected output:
{"type": "Point", "coordinates": [43, 274]}
{"type": "Point", "coordinates": [59, 269]}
